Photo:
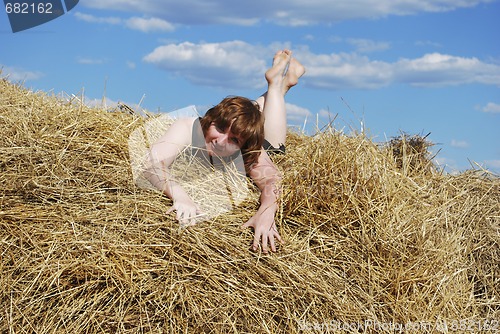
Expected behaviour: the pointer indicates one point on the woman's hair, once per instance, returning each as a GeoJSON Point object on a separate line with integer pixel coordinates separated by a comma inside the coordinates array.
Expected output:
{"type": "Point", "coordinates": [246, 121]}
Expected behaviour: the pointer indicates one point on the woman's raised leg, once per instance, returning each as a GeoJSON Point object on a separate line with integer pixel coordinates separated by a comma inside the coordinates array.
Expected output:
{"type": "Point", "coordinates": [283, 75]}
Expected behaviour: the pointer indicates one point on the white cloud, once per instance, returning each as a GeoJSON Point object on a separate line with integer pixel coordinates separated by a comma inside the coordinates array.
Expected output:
{"type": "Point", "coordinates": [94, 19]}
{"type": "Point", "coordinates": [228, 64]}
{"type": "Point", "coordinates": [89, 61]}
{"type": "Point", "coordinates": [437, 69]}
{"type": "Point", "coordinates": [149, 24]}
{"type": "Point", "coordinates": [308, 37]}
{"type": "Point", "coordinates": [335, 39]}
{"type": "Point", "coordinates": [491, 107]}
{"type": "Point", "coordinates": [488, 165]}
{"type": "Point", "coordinates": [459, 143]}
{"type": "Point", "coordinates": [110, 104]}
{"type": "Point", "coordinates": [449, 165]}
{"type": "Point", "coordinates": [242, 65]}
{"type": "Point", "coordinates": [493, 164]}
{"type": "Point", "coordinates": [13, 73]}
{"type": "Point", "coordinates": [366, 45]}
{"type": "Point", "coordinates": [361, 45]}
{"type": "Point", "coordinates": [296, 113]}
{"type": "Point", "coordinates": [289, 12]}
{"type": "Point", "coordinates": [428, 43]}
{"type": "Point", "coordinates": [104, 103]}
{"type": "Point", "coordinates": [326, 113]}
{"type": "Point", "coordinates": [344, 70]}
{"type": "Point", "coordinates": [143, 24]}
{"type": "Point", "coordinates": [351, 70]}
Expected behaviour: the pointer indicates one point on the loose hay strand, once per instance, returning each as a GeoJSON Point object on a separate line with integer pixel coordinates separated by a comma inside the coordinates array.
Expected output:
{"type": "Point", "coordinates": [371, 236]}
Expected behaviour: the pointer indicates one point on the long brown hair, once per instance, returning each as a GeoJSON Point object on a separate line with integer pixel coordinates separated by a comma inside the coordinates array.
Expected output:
{"type": "Point", "coordinates": [246, 121]}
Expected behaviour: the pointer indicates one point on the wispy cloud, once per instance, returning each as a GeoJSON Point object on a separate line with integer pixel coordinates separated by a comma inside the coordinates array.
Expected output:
{"type": "Point", "coordinates": [459, 143]}
{"type": "Point", "coordinates": [361, 45]}
{"type": "Point", "coordinates": [295, 113]}
{"type": "Point", "coordinates": [366, 45]}
{"type": "Point", "coordinates": [104, 102]}
{"type": "Point", "coordinates": [96, 19]}
{"type": "Point", "coordinates": [89, 61]}
{"type": "Point", "coordinates": [326, 113]}
{"type": "Point", "coordinates": [283, 12]}
{"type": "Point", "coordinates": [240, 64]}
{"type": "Point", "coordinates": [109, 104]}
{"type": "Point", "coordinates": [449, 165]}
{"type": "Point", "coordinates": [149, 24]}
{"type": "Point", "coordinates": [131, 65]}
{"type": "Point", "coordinates": [19, 74]}
{"type": "Point", "coordinates": [428, 43]}
{"type": "Point", "coordinates": [490, 107]}
{"type": "Point", "coordinates": [144, 24]}
{"type": "Point", "coordinates": [494, 164]}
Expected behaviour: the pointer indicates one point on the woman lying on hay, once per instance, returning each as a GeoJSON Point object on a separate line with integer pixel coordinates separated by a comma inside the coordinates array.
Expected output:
{"type": "Point", "coordinates": [236, 128]}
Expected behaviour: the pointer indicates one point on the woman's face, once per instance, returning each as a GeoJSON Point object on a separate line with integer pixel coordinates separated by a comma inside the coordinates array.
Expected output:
{"type": "Point", "coordinates": [222, 143]}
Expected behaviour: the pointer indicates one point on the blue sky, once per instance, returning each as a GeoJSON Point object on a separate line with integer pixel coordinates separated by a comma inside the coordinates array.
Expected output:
{"type": "Point", "coordinates": [387, 65]}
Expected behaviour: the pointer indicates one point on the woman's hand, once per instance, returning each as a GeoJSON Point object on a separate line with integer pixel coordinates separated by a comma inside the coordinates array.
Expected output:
{"type": "Point", "coordinates": [265, 231]}
{"type": "Point", "coordinates": [187, 211]}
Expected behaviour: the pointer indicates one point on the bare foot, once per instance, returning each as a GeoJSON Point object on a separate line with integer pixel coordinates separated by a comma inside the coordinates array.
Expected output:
{"type": "Point", "coordinates": [281, 60]}
{"type": "Point", "coordinates": [295, 71]}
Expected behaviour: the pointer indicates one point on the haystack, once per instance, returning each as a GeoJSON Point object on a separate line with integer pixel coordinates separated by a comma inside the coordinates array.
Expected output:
{"type": "Point", "coordinates": [370, 246]}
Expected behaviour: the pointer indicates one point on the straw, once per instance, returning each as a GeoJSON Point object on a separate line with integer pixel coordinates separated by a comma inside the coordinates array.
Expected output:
{"type": "Point", "coordinates": [373, 237]}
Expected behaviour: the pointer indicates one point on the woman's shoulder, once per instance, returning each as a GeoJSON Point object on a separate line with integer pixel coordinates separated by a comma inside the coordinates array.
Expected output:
{"type": "Point", "coordinates": [186, 122]}
{"type": "Point", "coordinates": [184, 125]}
{"type": "Point", "coordinates": [180, 131]}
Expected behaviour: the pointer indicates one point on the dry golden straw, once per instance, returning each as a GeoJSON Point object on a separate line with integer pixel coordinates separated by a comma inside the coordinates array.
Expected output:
{"type": "Point", "coordinates": [374, 235]}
